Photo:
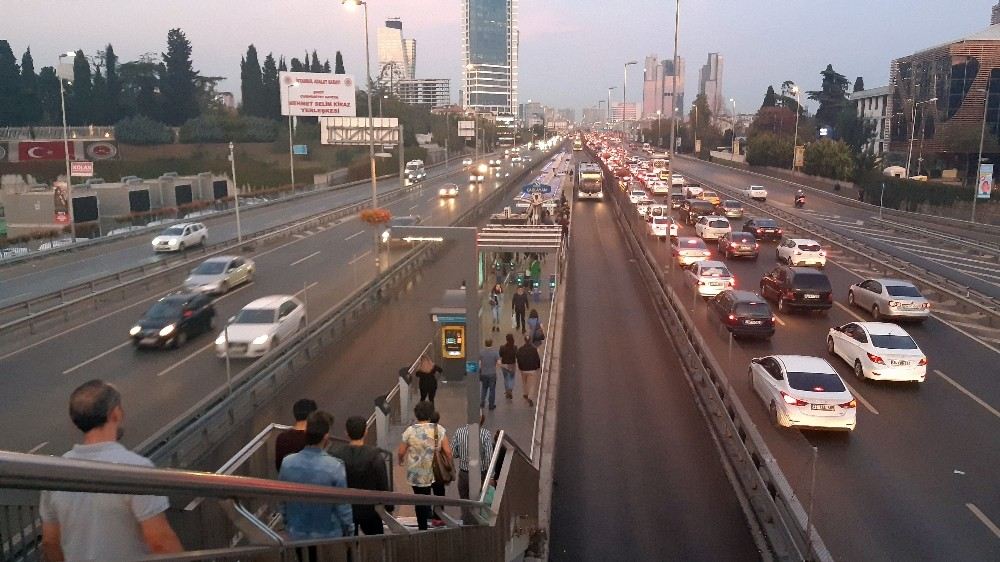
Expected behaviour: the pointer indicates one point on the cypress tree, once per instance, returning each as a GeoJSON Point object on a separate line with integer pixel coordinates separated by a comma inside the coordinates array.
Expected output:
{"type": "Point", "coordinates": [113, 105]}
{"type": "Point", "coordinates": [251, 83]}
{"type": "Point", "coordinates": [79, 105]}
{"type": "Point", "coordinates": [272, 95]}
{"type": "Point", "coordinates": [339, 64]}
{"type": "Point", "coordinates": [31, 107]}
{"type": "Point", "coordinates": [10, 77]}
{"type": "Point", "coordinates": [315, 66]}
{"type": "Point", "coordinates": [177, 81]}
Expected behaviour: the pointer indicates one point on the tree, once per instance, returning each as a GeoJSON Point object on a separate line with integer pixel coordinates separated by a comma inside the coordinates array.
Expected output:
{"type": "Point", "coordinates": [79, 108]}
{"type": "Point", "coordinates": [859, 84]}
{"type": "Point", "coordinates": [339, 64]}
{"type": "Point", "coordinates": [297, 66]}
{"type": "Point", "coordinates": [48, 96]}
{"type": "Point", "coordinates": [326, 66]}
{"type": "Point", "coordinates": [31, 107]}
{"type": "Point", "coordinates": [177, 82]}
{"type": "Point", "coordinates": [99, 108]}
{"type": "Point", "coordinates": [113, 104]}
{"type": "Point", "coordinates": [830, 159]}
{"type": "Point", "coordinates": [832, 96]}
{"type": "Point", "coordinates": [139, 79]}
{"type": "Point", "coordinates": [282, 67]}
{"type": "Point", "coordinates": [10, 76]}
{"type": "Point", "coordinates": [769, 149]}
{"type": "Point", "coordinates": [855, 131]}
{"type": "Point", "coordinates": [272, 95]}
{"type": "Point", "coordinates": [251, 83]}
{"type": "Point", "coordinates": [774, 120]}
{"type": "Point", "coordinates": [315, 66]}
{"type": "Point", "coordinates": [770, 98]}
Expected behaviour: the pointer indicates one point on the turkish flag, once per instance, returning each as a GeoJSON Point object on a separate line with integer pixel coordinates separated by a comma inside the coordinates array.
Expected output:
{"type": "Point", "coordinates": [28, 151]}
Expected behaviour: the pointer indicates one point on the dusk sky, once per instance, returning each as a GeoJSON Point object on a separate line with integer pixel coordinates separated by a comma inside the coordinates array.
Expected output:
{"type": "Point", "coordinates": [571, 50]}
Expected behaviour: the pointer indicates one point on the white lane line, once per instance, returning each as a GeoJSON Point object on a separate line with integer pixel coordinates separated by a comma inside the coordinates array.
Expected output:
{"type": "Point", "coordinates": [96, 357]}
{"type": "Point", "coordinates": [965, 391]}
{"type": "Point", "coordinates": [186, 359]}
{"type": "Point", "coordinates": [354, 235]}
{"type": "Point", "coordinates": [984, 519]}
{"type": "Point", "coordinates": [414, 206]}
{"type": "Point", "coordinates": [307, 287]}
{"type": "Point", "coordinates": [861, 399]}
{"type": "Point", "coordinates": [37, 447]}
{"type": "Point", "coordinates": [298, 261]}
{"type": "Point", "coordinates": [849, 311]}
{"type": "Point", "coordinates": [355, 260]}
{"type": "Point", "coordinates": [779, 320]}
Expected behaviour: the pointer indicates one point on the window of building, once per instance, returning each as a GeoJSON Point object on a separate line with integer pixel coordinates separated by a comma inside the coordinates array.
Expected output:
{"type": "Point", "coordinates": [962, 75]}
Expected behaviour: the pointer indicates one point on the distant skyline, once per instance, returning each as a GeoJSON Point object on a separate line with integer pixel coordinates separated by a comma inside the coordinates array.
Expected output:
{"type": "Point", "coordinates": [571, 50]}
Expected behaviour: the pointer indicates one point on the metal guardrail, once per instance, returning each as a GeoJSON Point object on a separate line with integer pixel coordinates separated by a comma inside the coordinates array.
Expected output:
{"type": "Point", "coordinates": [992, 249]}
{"type": "Point", "coordinates": [775, 509]}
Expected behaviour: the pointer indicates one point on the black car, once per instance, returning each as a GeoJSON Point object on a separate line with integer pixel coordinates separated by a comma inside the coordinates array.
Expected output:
{"type": "Point", "coordinates": [743, 313]}
{"type": "Point", "coordinates": [676, 199]}
{"type": "Point", "coordinates": [797, 287]}
{"type": "Point", "coordinates": [739, 245]}
{"type": "Point", "coordinates": [763, 229]}
{"type": "Point", "coordinates": [693, 209]}
{"type": "Point", "coordinates": [173, 319]}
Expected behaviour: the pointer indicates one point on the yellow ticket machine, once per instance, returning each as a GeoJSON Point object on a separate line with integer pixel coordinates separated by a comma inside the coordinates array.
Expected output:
{"type": "Point", "coordinates": [450, 341]}
{"type": "Point", "coordinates": [453, 342]}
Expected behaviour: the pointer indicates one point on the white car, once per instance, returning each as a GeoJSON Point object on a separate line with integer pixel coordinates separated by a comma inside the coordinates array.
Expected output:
{"type": "Point", "coordinates": [756, 192]}
{"type": "Point", "coordinates": [448, 190]}
{"type": "Point", "coordinates": [712, 227]}
{"type": "Point", "coordinates": [801, 251]}
{"type": "Point", "coordinates": [643, 206]}
{"type": "Point", "coordinates": [676, 179]}
{"type": "Point", "coordinates": [466, 161]}
{"type": "Point", "coordinates": [180, 236]}
{"type": "Point", "coordinates": [709, 277]}
{"type": "Point", "coordinates": [660, 187]}
{"type": "Point", "coordinates": [636, 195]}
{"type": "Point", "coordinates": [219, 274]}
{"type": "Point", "coordinates": [802, 391]}
{"type": "Point", "coordinates": [879, 351]}
{"type": "Point", "coordinates": [890, 298]}
{"type": "Point", "coordinates": [692, 191]}
{"type": "Point", "coordinates": [688, 250]}
{"type": "Point", "coordinates": [663, 227]}
{"type": "Point", "coordinates": [261, 326]}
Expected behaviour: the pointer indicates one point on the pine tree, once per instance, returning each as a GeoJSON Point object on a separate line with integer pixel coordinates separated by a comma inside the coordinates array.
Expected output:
{"type": "Point", "coordinates": [339, 64]}
{"type": "Point", "coordinates": [296, 66]}
{"type": "Point", "coordinates": [770, 98]}
{"type": "Point", "coordinates": [31, 108]}
{"type": "Point", "coordinates": [48, 96]}
{"type": "Point", "coordinates": [326, 66]}
{"type": "Point", "coordinates": [315, 66]}
{"type": "Point", "coordinates": [10, 76]}
{"type": "Point", "coordinates": [270, 87]}
{"type": "Point", "coordinates": [832, 97]}
{"type": "Point", "coordinates": [282, 67]}
{"type": "Point", "coordinates": [113, 105]}
{"type": "Point", "coordinates": [79, 105]}
{"type": "Point", "coordinates": [178, 80]}
{"type": "Point", "coordinates": [99, 105]}
{"type": "Point", "coordinates": [859, 84]}
{"type": "Point", "coordinates": [251, 84]}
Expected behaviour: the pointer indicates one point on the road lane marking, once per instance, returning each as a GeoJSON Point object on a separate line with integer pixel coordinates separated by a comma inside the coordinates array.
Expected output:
{"type": "Point", "coordinates": [849, 311]}
{"type": "Point", "coordinates": [96, 357]}
{"type": "Point", "coordinates": [186, 359]}
{"type": "Point", "coordinates": [307, 287]}
{"type": "Point", "coordinates": [984, 519]}
{"type": "Point", "coordinates": [354, 235]}
{"type": "Point", "coordinates": [355, 260]}
{"type": "Point", "coordinates": [414, 206]}
{"type": "Point", "coordinates": [298, 261]}
{"type": "Point", "coordinates": [37, 447]}
{"type": "Point", "coordinates": [861, 399]}
{"type": "Point", "coordinates": [965, 391]}
{"type": "Point", "coordinates": [779, 320]}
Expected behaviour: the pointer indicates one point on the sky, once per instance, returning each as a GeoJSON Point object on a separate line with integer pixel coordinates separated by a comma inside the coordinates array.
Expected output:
{"type": "Point", "coordinates": [571, 50]}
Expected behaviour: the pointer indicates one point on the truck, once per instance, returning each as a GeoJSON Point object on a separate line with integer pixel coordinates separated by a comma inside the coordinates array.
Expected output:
{"type": "Point", "coordinates": [589, 181]}
{"type": "Point", "coordinates": [414, 172]}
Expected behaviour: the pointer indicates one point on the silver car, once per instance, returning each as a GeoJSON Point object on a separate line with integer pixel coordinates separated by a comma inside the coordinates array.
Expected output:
{"type": "Point", "coordinates": [219, 274]}
{"type": "Point", "coordinates": [889, 298]}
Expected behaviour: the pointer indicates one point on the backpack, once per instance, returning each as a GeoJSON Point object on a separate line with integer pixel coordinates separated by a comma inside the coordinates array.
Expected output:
{"type": "Point", "coordinates": [538, 335]}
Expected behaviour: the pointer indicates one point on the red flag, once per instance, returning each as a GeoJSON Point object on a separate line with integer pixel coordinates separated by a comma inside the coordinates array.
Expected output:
{"type": "Point", "coordinates": [28, 151]}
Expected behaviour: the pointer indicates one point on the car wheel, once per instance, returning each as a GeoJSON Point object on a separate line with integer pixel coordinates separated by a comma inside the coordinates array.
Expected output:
{"type": "Point", "coordinates": [876, 315]}
{"type": "Point", "coordinates": [850, 298]}
{"type": "Point", "coordinates": [250, 276]}
{"type": "Point", "coordinates": [203, 240]}
{"type": "Point", "coordinates": [302, 324]}
{"type": "Point", "coordinates": [223, 287]}
{"type": "Point", "coordinates": [829, 346]}
{"type": "Point", "coordinates": [181, 247]}
{"type": "Point", "coordinates": [180, 339]}
{"type": "Point", "coordinates": [858, 370]}
{"type": "Point", "coordinates": [781, 304]}
{"type": "Point", "coordinates": [775, 416]}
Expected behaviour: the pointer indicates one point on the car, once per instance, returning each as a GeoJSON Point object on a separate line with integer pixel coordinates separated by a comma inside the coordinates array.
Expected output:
{"type": "Point", "coordinates": [730, 208]}
{"type": "Point", "coordinates": [676, 179]}
{"type": "Point", "coordinates": [516, 160]}
{"type": "Point", "coordinates": [800, 251]}
{"type": "Point", "coordinates": [261, 326]}
{"type": "Point", "coordinates": [739, 245]}
{"type": "Point", "coordinates": [879, 351]}
{"type": "Point", "coordinates": [643, 206]}
{"type": "Point", "coordinates": [711, 227]}
{"type": "Point", "coordinates": [172, 320]}
{"type": "Point", "coordinates": [477, 174]}
{"type": "Point", "coordinates": [710, 196]}
{"type": "Point", "coordinates": [676, 200]}
{"type": "Point", "coordinates": [756, 192]}
{"type": "Point", "coordinates": [219, 274]}
{"type": "Point", "coordinates": [662, 227]}
{"type": "Point", "coordinates": [804, 392]}
{"type": "Point", "coordinates": [693, 209]}
{"type": "Point", "coordinates": [448, 190]}
{"type": "Point", "coordinates": [386, 238]}
{"type": "Point", "coordinates": [743, 313]}
{"type": "Point", "coordinates": [466, 161]}
{"type": "Point", "coordinates": [496, 162]}
{"type": "Point", "coordinates": [689, 249]}
{"type": "Point", "coordinates": [763, 229]}
{"type": "Point", "coordinates": [709, 277]}
{"type": "Point", "coordinates": [636, 194]}
{"type": "Point", "coordinates": [890, 298]}
{"type": "Point", "coordinates": [180, 236]}
{"type": "Point", "coordinates": [797, 288]}
{"type": "Point", "coordinates": [691, 190]}
{"type": "Point", "coordinates": [414, 171]}
{"type": "Point", "coordinates": [657, 210]}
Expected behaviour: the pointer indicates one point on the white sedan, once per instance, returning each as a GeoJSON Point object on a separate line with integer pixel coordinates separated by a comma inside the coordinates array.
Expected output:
{"type": "Point", "coordinates": [261, 326]}
{"type": "Point", "coordinates": [712, 227]}
{"type": "Point", "coordinates": [709, 277]}
{"type": "Point", "coordinates": [635, 195]}
{"type": "Point", "coordinates": [801, 391]}
{"type": "Point", "coordinates": [219, 274]}
{"type": "Point", "coordinates": [801, 251]}
{"type": "Point", "coordinates": [879, 351]}
{"type": "Point", "coordinates": [180, 236]}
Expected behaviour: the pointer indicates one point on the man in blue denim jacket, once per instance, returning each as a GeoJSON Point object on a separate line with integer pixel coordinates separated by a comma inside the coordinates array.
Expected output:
{"type": "Point", "coordinates": [313, 465]}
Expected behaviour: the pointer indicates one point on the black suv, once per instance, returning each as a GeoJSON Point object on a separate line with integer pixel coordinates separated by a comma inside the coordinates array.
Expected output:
{"type": "Point", "coordinates": [763, 229]}
{"type": "Point", "coordinates": [173, 319]}
{"type": "Point", "coordinates": [743, 313]}
{"type": "Point", "coordinates": [797, 287]}
{"type": "Point", "coordinates": [694, 209]}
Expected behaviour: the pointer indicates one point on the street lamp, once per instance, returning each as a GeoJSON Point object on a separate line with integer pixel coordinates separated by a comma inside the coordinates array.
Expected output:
{"type": "Point", "coordinates": [979, 161]}
{"type": "Point", "coordinates": [291, 157]}
{"type": "Point", "coordinates": [798, 110]}
{"type": "Point", "coordinates": [694, 128]}
{"type": "Point", "coordinates": [69, 181]}
{"type": "Point", "coordinates": [624, 96]}
{"type": "Point", "coordinates": [350, 4]}
{"type": "Point", "coordinates": [673, 96]}
{"type": "Point", "coordinates": [609, 102]}
{"type": "Point", "coordinates": [659, 127]}
{"type": "Point", "coordinates": [236, 195]}
{"type": "Point", "coordinates": [733, 101]}
{"type": "Point", "coordinates": [913, 129]}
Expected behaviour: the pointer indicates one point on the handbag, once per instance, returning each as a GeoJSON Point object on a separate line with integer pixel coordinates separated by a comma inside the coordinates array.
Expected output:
{"type": "Point", "coordinates": [444, 465]}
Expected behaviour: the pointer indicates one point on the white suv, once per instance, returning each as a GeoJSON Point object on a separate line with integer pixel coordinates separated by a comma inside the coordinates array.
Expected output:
{"type": "Point", "coordinates": [180, 236]}
{"type": "Point", "coordinates": [801, 251]}
{"type": "Point", "coordinates": [712, 227]}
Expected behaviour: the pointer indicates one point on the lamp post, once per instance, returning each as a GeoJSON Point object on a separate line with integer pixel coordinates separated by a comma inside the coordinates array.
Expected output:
{"type": "Point", "coordinates": [236, 195]}
{"type": "Point", "coordinates": [609, 103]}
{"type": "Point", "coordinates": [979, 161]}
{"type": "Point", "coordinates": [798, 111]}
{"type": "Point", "coordinates": [599, 102]}
{"type": "Point", "coordinates": [673, 97]}
{"type": "Point", "coordinates": [69, 181]}
{"type": "Point", "coordinates": [291, 153]}
{"type": "Point", "coordinates": [625, 97]}
{"type": "Point", "coordinates": [659, 127]}
{"type": "Point", "coordinates": [694, 129]}
{"type": "Point", "coordinates": [913, 129]}
{"type": "Point", "coordinates": [735, 146]}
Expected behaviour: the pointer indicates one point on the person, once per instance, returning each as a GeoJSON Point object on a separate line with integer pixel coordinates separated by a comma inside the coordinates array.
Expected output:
{"type": "Point", "coordinates": [536, 271]}
{"type": "Point", "coordinates": [293, 440]}
{"type": "Point", "coordinates": [508, 365]}
{"type": "Point", "coordinates": [312, 465]}
{"type": "Point", "coordinates": [366, 470]}
{"type": "Point", "coordinates": [92, 526]}
{"type": "Point", "coordinates": [426, 373]}
{"type": "Point", "coordinates": [535, 330]}
{"type": "Point", "coordinates": [529, 363]}
{"type": "Point", "coordinates": [489, 358]}
{"type": "Point", "coordinates": [438, 488]}
{"type": "Point", "coordinates": [519, 302]}
{"type": "Point", "coordinates": [462, 460]}
{"type": "Point", "coordinates": [496, 295]}
{"type": "Point", "coordinates": [416, 454]}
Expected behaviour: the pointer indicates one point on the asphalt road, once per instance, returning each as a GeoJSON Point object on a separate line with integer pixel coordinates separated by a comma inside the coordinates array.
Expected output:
{"type": "Point", "coordinates": [637, 476]}
{"type": "Point", "coordinates": [38, 375]}
{"type": "Point", "coordinates": [917, 479]}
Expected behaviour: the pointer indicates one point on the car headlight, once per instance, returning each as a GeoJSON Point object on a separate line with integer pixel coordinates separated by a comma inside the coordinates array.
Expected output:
{"type": "Point", "coordinates": [385, 236]}
{"type": "Point", "coordinates": [261, 340]}
{"type": "Point", "coordinates": [167, 330]}
{"type": "Point", "coordinates": [442, 191]}
{"type": "Point", "coordinates": [134, 331]}
{"type": "Point", "coordinates": [221, 340]}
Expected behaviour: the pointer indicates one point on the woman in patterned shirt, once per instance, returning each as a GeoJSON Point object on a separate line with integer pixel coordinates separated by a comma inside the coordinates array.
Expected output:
{"type": "Point", "coordinates": [416, 453]}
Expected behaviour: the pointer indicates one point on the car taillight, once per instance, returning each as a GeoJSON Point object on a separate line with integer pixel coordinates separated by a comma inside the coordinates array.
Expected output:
{"type": "Point", "coordinates": [790, 295]}
{"type": "Point", "coordinates": [875, 359]}
{"type": "Point", "coordinates": [188, 314]}
{"type": "Point", "coordinates": [829, 297]}
{"type": "Point", "coordinates": [773, 319]}
{"type": "Point", "coordinates": [701, 282]}
{"type": "Point", "coordinates": [756, 245]}
{"type": "Point", "coordinates": [759, 230]}
{"type": "Point", "coordinates": [922, 362]}
{"type": "Point", "coordinates": [852, 404]}
{"type": "Point", "coordinates": [927, 305]}
{"type": "Point", "coordinates": [791, 400]}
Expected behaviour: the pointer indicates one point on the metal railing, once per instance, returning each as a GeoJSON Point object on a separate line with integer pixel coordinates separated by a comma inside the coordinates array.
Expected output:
{"type": "Point", "coordinates": [92, 132]}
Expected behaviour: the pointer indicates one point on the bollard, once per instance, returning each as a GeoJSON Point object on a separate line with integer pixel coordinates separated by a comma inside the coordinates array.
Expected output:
{"type": "Point", "coordinates": [382, 411]}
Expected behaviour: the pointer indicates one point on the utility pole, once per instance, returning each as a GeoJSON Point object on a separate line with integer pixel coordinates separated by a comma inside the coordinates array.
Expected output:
{"type": "Point", "coordinates": [673, 95]}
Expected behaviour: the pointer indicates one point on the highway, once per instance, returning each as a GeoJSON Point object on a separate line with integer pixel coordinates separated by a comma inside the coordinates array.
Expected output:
{"type": "Point", "coordinates": [917, 479]}
{"type": "Point", "coordinates": [322, 268]}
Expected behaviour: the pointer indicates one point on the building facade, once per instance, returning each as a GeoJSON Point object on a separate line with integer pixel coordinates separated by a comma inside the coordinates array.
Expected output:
{"type": "Point", "coordinates": [710, 84]}
{"type": "Point", "coordinates": [628, 111]}
{"type": "Point", "coordinates": [397, 56]}
{"type": "Point", "coordinates": [490, 51]}
{"type": "Point", "coordinates": [593, 115]}
{"type": "Point", "coordinates": [875, 107]}
{"type": "Point", "coordinates": [658, 86]}
{"type": "Point", "coordinates": [435, 92]}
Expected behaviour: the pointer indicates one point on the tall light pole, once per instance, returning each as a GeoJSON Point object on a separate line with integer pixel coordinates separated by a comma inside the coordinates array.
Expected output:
{"type": "Point", "coordinates": [798, 111]}
{"type": "Point", "coordinates": [733, 101]}
{"type": "Point", "coordinates": [979, 161]}
{"type": "Point", "coordinates": [694, 129]}
{"type": "Point", "coordinates": [236, 195]}
{"type": "Point", "coordinates": [625, 96]}
{"type": "Point", "coordinates": [659, 126]}
{"type": "Point", "coordinates": [69, 181]}
{"type": "Point", "coordinates": [291, 154]}
{"type": "Point", "coordinates": [673, 94]}
{"type": "Point", "coordinates": [599, 102]}
{"type": "Point", "coordinates": [610, 115]}
{"type": "Point", "coordinates": [913, 129]}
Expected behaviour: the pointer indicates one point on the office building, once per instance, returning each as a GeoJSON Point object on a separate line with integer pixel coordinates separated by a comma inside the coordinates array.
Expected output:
{"type": "Point", "coordinates": [397, 56]}
{"type": "Point", "coordinates": [658, 84]}
{"type": "Point", "coordinates": [629, 110]}
{"type": "Point", "coordinates": [593, 115]}
{"type": "Point", "coordinates": [710, 84]}
{"type": "Point", "coordinates": [490, 51]}
{"type": "Point", "coordinates": [567, 114]}
{"type": "Point", "coordinates": [435, 92]}
{"type": "Point", "coordinates": [875, 106]}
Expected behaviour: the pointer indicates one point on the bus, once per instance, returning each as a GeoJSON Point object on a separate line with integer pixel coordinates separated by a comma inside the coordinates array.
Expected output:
{"type": "Point", "coordinates": [589, 181]}
{"type": "Point", "coordinates": [577, 144]}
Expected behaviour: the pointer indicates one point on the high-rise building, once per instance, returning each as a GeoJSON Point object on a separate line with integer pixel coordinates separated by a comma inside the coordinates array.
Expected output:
{"type": "Point", "coordinates": [658, 86]}
{"type": "Point", "coordinates": [710, 84]}
{"type": "Point", "coordinates": [593, 115]}
{"type": "Point", "coordinates": [567, 114]}
{"type": "Point", "coordinates": [435, 92]}
{"type": "Point", "coordinates": [490, 50]}
{"type": "Point", "coordinates": [396, 55]}
{"type": "Point", "coordinates": [629, 111]}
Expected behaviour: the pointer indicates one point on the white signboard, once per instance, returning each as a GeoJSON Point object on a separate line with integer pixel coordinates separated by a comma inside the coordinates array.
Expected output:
{"type": "Point", "coordinates": [316, 94]}
{"type": "Point", "coordinates": [81, 169]}
{"type": "Point", "coordinates": [467, 129]}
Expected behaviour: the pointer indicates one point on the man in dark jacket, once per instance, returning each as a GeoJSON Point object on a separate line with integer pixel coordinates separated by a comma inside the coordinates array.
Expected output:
{"type": "Point", "coordinates": [530, 365]}
{"type": "Point", "coordinates": [366, 470]}
{"type": "Point", "coordinates": [520, 304]}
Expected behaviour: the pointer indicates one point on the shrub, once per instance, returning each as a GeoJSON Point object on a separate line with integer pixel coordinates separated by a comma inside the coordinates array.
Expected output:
{"type": "Point", "coordinates": [830, 159]}
{"type": "Point", "coordinates": [142, 130]}
{"type": "Point", "coordinates": [768, 149]}
{"type": "Point", "coordinates": [203, 129]}
{"type": "Point", "coordinates": [225, 128]}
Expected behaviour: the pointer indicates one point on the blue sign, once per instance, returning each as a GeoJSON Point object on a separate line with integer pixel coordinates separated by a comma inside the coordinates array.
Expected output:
{"type": "Point", "coordinates": [472, 367]}
{"type": "Point", "coordinates": [300, 149]}
{"type": "Point", "coordinates": [536, 187]}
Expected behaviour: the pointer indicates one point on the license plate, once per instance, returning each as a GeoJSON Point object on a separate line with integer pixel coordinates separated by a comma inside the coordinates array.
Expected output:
{"type": "Point", "coordinates": [822, 407]}
{"type": "Point", "coordinates": [753, 322]}
{"type": "Point", "coordinates": [811, 296]}
{"type": "Point", "coordinates": [715, 284]}
{"type": "Point", "coordinates": [237, 347]}
{"type": "Point", "coordinates": [898, 363]}
{"type": "Point", "coordinates": [746, 247]}
{"type": "Point", "coordinates": [148, 341]}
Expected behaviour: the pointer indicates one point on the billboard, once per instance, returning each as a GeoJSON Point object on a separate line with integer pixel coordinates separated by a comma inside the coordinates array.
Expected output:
{"type": "Point", "coordinates": [60, 203]}
{"type": "Point", "coordinates": [317, 94]}
{"type": "Point", "coordinates": [35, 150]}
{"type": "Point", "coordinates": [467, 129]}
{"type": "Point", "coordinates": [984, 187]}
{"type": "Point", "coordinates": [799, 159]}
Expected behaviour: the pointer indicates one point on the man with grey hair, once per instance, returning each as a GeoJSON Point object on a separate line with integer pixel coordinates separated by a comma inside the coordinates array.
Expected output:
{"type": "Point", "coordinates": [90, 526]}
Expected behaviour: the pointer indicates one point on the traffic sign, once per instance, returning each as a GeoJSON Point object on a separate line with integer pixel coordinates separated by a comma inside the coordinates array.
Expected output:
{"type": "Point", "coordinates": [300, 149]}
{"type": "Point", "coordinates": [81, 169]}
{"type": "Point", "coordinates": [467, 129]}
{"type": "Point", "coordinates": [536, 188]}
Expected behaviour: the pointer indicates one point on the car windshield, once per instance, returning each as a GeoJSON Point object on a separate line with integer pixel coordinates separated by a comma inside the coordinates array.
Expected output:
{"type": "Point", "coordinates": [810, 247]}
{"type": "Point", "coordinates": [210, 268]}
{"type": "Point", "coordinates": [886, 341]}
{"type": "Point", "coordinates": [165, 309]}
{"type": "Point", "coordinates": [718, 224]}
{"type": "Point", "coordinates": [255, 316]}
{"type": "Point", "coordinates": [818, 282]}
{"type": "Point", "coordinates": [815, 382]}
{"type": "Point", "coordinates": [742, 237]}
{"type": "Point", "coordinates": [707, 194]}
{"type": "Point", "coordinates": [766, 223]}
{"type": "Point", "coordinates": [755, 309]}
{"type": "Point", "coordinates": [173, 231]}
{"type": "Point", "coordinates": [731, 204]}
{"type": "Point", "coordinates": [903, 291]}
{"type": "Point", "coordinates": [693, 244]}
